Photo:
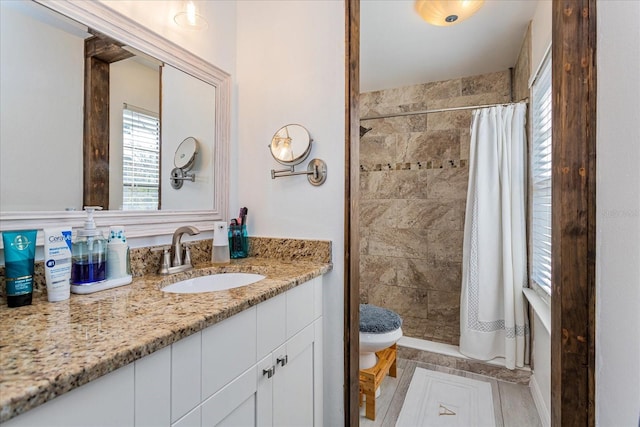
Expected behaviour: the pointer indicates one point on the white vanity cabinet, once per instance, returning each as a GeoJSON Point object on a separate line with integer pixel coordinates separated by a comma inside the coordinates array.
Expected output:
{"type": "Point", "coordinates": [261, 367]}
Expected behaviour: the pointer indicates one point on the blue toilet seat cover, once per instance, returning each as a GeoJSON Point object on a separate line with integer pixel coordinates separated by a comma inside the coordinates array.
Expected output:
{"type": "Point", "coordinates": [378, 320]}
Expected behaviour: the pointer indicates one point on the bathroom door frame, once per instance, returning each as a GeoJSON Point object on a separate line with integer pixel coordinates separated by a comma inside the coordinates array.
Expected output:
{"type": "Point", "coordinates": [573, 241]}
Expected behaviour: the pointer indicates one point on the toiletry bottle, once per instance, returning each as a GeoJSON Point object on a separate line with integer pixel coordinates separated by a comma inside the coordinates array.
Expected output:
{"type": "Point", "coordinates": [19, 253]}
{"type": "Point", "coordinates": [57, 262]}
{"type": "Point", "coordinates": [89, 260]}
{"type": "Point", "coordinates": [220, 249]}
{"type": "Point", "coordinates": [117, 254]}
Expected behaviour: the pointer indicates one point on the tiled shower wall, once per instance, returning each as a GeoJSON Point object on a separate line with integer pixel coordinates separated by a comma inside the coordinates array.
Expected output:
{"type": "Point", "coordinates": [413, 187]}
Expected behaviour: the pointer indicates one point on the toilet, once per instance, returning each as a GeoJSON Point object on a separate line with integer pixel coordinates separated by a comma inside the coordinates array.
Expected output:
{"type": "Point", "coordinates": [379, 328]}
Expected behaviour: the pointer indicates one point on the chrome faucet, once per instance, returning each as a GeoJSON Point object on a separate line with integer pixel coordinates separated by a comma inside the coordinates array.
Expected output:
{"type": "Point", "coordinates": [176, 245]}
{"type": "Point", "coordinates": [174, 264]}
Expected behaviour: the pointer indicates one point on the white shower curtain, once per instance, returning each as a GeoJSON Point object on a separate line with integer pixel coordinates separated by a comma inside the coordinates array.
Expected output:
{"type": "Point", "coordinates": [493, 321]}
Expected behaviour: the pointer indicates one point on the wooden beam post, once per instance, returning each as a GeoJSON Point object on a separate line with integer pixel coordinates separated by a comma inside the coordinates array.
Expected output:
{"type": "Point", "coordinates": [96, 133]}
{"type": "Point", "coordinates": [351, 222]}
{"type": "Point", "coordinates": [573, 213]}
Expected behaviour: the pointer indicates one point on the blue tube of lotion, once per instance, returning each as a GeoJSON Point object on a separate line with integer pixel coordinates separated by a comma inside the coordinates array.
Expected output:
{"type": "Point", "coordinates": [57, 263]}
{"type": "Point", "coordinates": [19, 254]}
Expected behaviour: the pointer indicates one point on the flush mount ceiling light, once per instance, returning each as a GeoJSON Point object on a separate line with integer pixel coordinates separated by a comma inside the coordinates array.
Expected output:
{"type": "Point", "coordinates": [189, 17]}
{"type": "Point", "coordinates": [446, 12]}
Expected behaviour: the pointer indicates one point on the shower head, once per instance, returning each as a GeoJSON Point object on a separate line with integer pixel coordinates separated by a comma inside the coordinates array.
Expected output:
{"type": "Point", "coordinates": [364, 130]}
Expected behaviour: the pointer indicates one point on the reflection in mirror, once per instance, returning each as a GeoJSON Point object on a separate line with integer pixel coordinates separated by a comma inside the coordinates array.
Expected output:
{"type": "Point", "coordinates": [134, 135]}
{"type": "Point", "coordinates": [40, 109]}
{"type": "Point", "coordinates": [291, 144]}
{"type": "Point", "coordinates": [187, 105]}
{"type": "Point", "coordinates": [183, 161]}
{"type": "Point", "coordinates": [41, 145]}
{"type": "Point", "coordinates": [186, 154]}
{"type": "Point", "coordinates": [43, 70]}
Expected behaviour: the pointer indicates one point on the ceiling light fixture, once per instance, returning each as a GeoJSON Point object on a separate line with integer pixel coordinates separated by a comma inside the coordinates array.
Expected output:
{"type": "Point", "coordinates": [189, 17]}
{"type": "Point", "coordinates": [446, 12]}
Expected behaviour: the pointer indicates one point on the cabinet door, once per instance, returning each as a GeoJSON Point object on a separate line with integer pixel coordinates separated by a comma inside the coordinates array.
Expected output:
{"type": "Point", "coordinates": [234, 405]}
{"type": "Point", "coordinates": [153, 389]}
{"type": "Point", "coordinates": [318, 364]}
{"type": "Point", "coordinates": [265, 370]}
{"type": "Point", "coordinates": [300, 308]}
{"type": "Point", "coordinates": [293, 383]}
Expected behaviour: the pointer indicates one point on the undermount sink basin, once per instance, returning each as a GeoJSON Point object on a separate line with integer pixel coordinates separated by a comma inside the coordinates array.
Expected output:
{"type": "Point", "coordinates": [214, 282]}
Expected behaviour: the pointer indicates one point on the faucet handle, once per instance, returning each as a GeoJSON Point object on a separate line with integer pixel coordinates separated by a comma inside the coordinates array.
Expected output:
{"type": "Point", "coordinates": [165, 260]}
{"type": "Point", "coordinates": [187, 254]}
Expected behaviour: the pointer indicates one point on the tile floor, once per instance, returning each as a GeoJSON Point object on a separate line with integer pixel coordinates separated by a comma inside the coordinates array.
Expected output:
{"type": "Point", "coordinates": [512, 403]}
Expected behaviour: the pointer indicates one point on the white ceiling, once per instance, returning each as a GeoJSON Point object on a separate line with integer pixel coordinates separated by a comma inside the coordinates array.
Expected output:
{"type": "Point", "coordinates": [398, 48]}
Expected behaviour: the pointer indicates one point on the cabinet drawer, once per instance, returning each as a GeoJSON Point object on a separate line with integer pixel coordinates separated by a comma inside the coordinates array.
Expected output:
{"type": "Point", "coordinates": [271, 324]}
{"type": "Point", "coordinates": [185, 375]}
{"type": "Point", "coordinates": [153, 389]}
{"type": "Point", "coordinates": [107, 401]}
{"type": "Point", "coordinates": [300, 311]}
{"type": "Point", "coordinates": [228, 349]}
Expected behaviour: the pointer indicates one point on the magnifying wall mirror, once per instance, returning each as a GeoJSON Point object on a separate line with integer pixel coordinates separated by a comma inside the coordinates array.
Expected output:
{"type": "Point", "coordinates": [290, 146]}
{"type": "Point", "coordinates": [183, 160]}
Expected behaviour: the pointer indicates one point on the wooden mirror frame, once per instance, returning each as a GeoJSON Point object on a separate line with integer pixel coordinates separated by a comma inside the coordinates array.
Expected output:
{"type": "Point", "coordinates": [101, 18]}
{"type": "Point", "coordinates": [573, 342]}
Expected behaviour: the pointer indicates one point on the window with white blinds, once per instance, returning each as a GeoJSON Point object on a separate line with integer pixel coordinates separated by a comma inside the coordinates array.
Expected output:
{"type": "Point", "coordinates": [541, 177]}
{"type": "Point", "coordinates": [140, 159]}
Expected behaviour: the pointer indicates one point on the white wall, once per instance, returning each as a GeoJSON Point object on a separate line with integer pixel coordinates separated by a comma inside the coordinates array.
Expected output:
{"type": "Point", "coordinates": [618, 214]}
{"type": "Point", "coordinates": [188, 106]}
{"type": "Point", "coordinates": [291, 69]}
{"type": "Point", "coordinates": [136, 84]}
{"type": "Point", "coordinates": [540, 33]}
{"type": "Point", "coordinates": [35, 176]}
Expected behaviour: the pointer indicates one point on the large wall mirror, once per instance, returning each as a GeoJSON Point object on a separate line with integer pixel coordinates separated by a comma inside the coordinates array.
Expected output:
{"type": "Point", "coordinates": [80, 82]}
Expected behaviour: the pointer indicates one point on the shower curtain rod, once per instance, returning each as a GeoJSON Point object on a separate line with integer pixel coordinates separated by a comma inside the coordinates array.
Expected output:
{"type": "Point", "coordinates": [439, 110]}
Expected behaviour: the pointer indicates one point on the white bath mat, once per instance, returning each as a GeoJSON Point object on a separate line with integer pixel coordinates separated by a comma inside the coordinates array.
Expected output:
{"type": "Point", "coordinates": [439, 399]}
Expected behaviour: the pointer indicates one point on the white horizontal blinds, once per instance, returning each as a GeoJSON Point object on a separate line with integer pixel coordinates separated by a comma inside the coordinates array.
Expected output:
{"type": "Point", "coordinates": [541, 177]}
{"type": "Point", "coordinates": [140, 159]}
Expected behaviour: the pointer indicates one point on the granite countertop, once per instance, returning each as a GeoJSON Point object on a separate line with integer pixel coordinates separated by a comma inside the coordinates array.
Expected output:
{"type": "Point", "coordinates": [47, 349]}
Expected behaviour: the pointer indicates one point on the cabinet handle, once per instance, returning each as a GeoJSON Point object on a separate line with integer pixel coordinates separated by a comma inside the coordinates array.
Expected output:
{"type": "Point", "coordinates": [282, 360]}
{"type": "Point", "coordinates": [269, 372]}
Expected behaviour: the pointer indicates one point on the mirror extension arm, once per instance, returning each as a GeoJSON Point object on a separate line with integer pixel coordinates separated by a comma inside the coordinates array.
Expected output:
{"type": "Point", "coordinates": [316, 172]}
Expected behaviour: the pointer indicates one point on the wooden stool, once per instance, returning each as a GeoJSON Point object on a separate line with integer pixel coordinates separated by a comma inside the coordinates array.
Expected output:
{"type": "Point", "coordinates": [371, 378]}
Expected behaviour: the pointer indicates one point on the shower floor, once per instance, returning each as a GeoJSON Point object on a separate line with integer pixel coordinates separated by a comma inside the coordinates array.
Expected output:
{"type": "Point", "coordinates": [513, 404]}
